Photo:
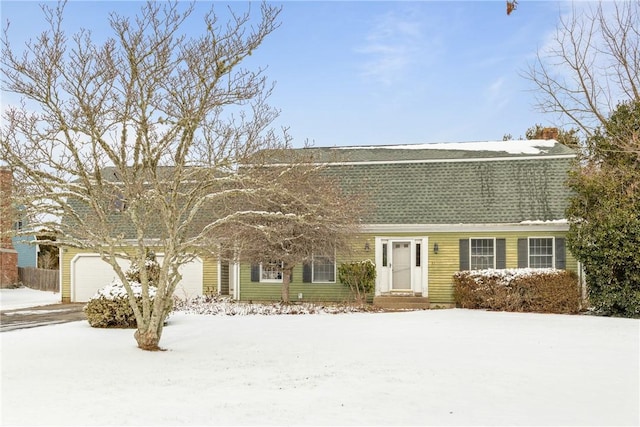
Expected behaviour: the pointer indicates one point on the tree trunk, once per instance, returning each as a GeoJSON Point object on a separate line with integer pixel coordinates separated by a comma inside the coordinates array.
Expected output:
{"type": "Point", "coordinates": [286, 280]}
{"type": "Point", "coordinates": [148, 337]}
{"type": "Point", "coordinates": [147, 340]}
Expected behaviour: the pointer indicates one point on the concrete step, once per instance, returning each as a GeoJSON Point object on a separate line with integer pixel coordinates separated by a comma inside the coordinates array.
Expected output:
{"type": "Point", "coordinates": [396, 302]}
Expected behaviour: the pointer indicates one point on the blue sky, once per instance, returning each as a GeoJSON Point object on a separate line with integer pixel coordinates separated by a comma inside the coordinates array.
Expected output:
{"type": "Point", "coordinates": [360, 73]}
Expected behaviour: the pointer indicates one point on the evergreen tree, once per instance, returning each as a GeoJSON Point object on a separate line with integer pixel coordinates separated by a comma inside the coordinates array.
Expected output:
{"type": "Point", "coordinates": [604, 214]}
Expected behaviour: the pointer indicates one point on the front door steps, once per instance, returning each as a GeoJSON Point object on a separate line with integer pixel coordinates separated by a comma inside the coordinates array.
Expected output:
{"type": "Point", "coordinates": [401, 302]}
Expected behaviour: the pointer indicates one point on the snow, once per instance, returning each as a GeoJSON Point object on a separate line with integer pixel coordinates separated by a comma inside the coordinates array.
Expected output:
{"type": "Point", "coordinates": [531, 146]}
{"type": "Point", "coordinates": [25, 297]}
{"type": "Point", "coordinates": [505, 276]}
{"type": "Point", "coordinates": [116, 290]}
{"type": "Point", "coordinates": [548, 221]}
{"type": "Point", "coordinates": [442, 367]}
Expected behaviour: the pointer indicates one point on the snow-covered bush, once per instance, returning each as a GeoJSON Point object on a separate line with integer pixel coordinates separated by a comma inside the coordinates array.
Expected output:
{"type": "Point", "coordinates": [110, 307]}
{"type": "Point", "coordinates": [530, 290]}
{"type": "Point", "coordinates": [224, 306]}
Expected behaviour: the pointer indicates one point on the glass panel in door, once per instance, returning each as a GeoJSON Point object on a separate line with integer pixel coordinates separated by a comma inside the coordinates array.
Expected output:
{"type": "Point", "coordinates": [401, 268]}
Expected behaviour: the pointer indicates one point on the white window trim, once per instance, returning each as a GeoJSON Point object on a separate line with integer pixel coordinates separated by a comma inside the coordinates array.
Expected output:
{"type": "Point", "coordinates": [271, 280]}
{"type": "Point", "coordinates": [553, 251]}
{"type": "Point", "coordinates": [494, 250]}
{"type": "Point", "coordinates": [313, 272]}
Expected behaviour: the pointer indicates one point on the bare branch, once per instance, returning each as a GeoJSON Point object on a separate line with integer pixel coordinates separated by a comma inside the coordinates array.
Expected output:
{"type": "Point", "coordinates": [591, 65]}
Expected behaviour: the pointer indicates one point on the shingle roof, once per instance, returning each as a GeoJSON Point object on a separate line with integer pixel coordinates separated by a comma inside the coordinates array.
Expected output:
{"type": "Point", "coordinates": [439, 184]}
{"type": "Point", "coordinates": [412, 185]}
{"type": "Point", "coordinates": [432, 152]}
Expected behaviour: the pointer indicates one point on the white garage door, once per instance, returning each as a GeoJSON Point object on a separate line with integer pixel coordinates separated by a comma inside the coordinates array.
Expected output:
{"type": "Point", "coordinates": [89, 273]}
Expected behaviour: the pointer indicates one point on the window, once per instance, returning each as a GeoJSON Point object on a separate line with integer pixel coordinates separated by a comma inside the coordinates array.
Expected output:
{"type": "Point", "coordinates": [271, 271]}
{"type": "Point", "coordinates": [384, 255]}
{"type": "Point", "coordinates": [482, 254]}
{"type": "Point", "coordinates": [418, 254]}
{"type": "Point", "coordinates": [18, 225]}
{"type": "Point", "coordinates": [541, 252]}
{"type": "Point", "coordinates": [118, 203]}
{"type": "Point", "coordinates": [324, 269]}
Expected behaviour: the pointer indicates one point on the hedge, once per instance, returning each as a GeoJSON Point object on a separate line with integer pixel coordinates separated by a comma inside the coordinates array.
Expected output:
{"type": "Point", "coordinates": [523, 290]}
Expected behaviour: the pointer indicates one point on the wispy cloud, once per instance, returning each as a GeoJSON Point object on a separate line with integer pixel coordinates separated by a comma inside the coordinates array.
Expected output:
{"type": "Point", "coordinates": [396, 42]}
{"type": "Point", "coordinates": [496, 94]}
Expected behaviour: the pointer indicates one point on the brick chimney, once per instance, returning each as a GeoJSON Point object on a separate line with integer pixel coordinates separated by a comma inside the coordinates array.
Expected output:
{"type": "Point", "coordinates": [8, 255]}
{"type": "Point", "coordinates": [550, 133]}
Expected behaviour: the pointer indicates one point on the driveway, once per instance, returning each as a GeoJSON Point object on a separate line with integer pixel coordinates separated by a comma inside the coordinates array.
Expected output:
{"type": "Point", "coordinates": [44, 315]}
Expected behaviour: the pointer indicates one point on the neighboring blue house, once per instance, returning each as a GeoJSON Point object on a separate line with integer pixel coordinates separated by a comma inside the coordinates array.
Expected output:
{"type": "Point", "coordinates": [27, 252]}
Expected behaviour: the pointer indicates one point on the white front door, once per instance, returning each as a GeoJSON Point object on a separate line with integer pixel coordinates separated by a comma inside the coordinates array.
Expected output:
{"type": "Point", "coordinates": [401, 266]}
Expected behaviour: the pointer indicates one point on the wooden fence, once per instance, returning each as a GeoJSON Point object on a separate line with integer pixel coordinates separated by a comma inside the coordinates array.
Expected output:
{"type": "Point", "coordinates": [39, 278]}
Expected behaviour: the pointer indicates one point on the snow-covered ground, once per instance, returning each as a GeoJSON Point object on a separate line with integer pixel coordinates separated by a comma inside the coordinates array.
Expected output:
{"type": "Point", "coordinates": [438, 367]}
{"type": "Point", "coordinates": [25, 297]}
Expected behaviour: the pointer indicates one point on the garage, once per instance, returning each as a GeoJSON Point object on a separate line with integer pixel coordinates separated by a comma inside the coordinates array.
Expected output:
{"type": "Point", "coordinates": [90, 273]}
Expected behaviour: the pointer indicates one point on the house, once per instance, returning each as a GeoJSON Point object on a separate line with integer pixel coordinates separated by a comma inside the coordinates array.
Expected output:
{"type": "Point", "coordinates": [436, 209]}
{"type": "Point", "coordinates": [8, 254]}
{"type": "Point", "coordinates": [25, 245]}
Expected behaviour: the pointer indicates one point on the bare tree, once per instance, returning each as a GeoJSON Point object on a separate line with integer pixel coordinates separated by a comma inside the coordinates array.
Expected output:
{"type": "Point", "coordinates": [308, 217]}
{"type": "Point", "coordinates": [591, 65]}
{"type": "Point", "coordinates": [133, 141]}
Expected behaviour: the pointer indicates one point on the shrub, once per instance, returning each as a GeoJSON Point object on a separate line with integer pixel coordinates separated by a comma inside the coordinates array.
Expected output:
{"type": "Point", "coordinates": [110, 308]}
{"type": "Point", "coordinates": [152, 267]}
{"type": "Point", "coordinates": [542, 291]}
{"type": "Point", "coordinates": [359, 276]}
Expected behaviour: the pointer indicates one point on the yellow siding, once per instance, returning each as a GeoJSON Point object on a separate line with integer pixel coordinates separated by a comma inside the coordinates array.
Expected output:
{"type": "Point", "coordinates": [335, 292]}
{"type": "Point", "coordinates": [441, 266]}
{"type": "Point", "coordinates": [66, 256]}
{"type": "Point", "coordinates": [210, 275]}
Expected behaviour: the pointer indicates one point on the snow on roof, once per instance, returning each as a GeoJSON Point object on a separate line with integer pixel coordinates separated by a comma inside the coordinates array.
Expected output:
{"type": "Point", "coordinates": [530, 146]}
{"type": "Point", "coordinates": [549, 221]}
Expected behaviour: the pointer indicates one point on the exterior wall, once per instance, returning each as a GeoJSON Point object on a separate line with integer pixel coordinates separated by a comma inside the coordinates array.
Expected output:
{"type": "Point", "coordinates": [446, 262]}
{"type": "Point", "coordinates": [8, 255]}
{"type": "Point", "coordinates": [441, 266]}
{"type": "Point", "coordinates": [209, 272]}
{"type": "Point", "coordinates": [8, 267]}
{"type": "Point", "coordinates": [209, 276]}
{"type": "Point", "coordinates": [27, 253]}
{"type": "Point", "coordinates": [311, 292]}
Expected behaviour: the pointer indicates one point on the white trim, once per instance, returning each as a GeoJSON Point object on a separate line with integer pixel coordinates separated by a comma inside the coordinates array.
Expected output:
{"type": "Point", "coordinates": [494, 255]}
{"type": "Point", "coordinates": [419, 275]}
{"type": "Point", "coordinates": [335, 270]}
{"type": "Point", "coordinates": [416, 161]}
{"type": "Point", "coordinates": [60, 270]}
{"type": "Point", "coordinates": [236, 280]}
{"type": "Point", "coordinates": [468, 228]}
{"type": "Point", "coordinates": [553, 251]}
{"type": "Point", "coordinates": [273, 280]}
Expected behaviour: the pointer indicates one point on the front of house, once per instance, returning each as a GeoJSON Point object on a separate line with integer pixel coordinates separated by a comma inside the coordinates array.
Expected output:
{"type": "Point", "coordinates": [435, 209]}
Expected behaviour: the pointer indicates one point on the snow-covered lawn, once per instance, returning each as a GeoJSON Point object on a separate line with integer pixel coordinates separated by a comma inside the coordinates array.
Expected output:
{"type": "Point", "coordinates": [25, 297]}
{"type": "Point", "coordinates": [442, 367]}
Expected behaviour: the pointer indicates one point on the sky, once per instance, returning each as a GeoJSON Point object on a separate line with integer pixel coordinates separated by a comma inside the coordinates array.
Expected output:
{"type": "Point", "coordinates": [371, 73]}
{"type": "Point", "coordinates": [431, 367]}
